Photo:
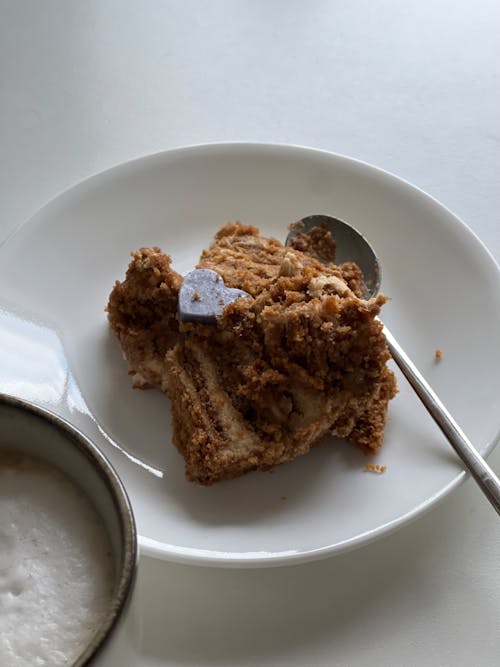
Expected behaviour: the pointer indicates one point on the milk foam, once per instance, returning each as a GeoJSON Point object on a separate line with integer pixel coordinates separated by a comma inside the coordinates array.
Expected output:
{"type": "Point", "coordinates": [56, 572]}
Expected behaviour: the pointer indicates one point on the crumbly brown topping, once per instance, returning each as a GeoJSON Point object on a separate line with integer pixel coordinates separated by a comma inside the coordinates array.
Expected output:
{"type": "Point", "coordinates": [303, 357]}
{"type": "Point", "coordinates": [142, 311]}
{"type": "Point", "coordinates": [317, 243]}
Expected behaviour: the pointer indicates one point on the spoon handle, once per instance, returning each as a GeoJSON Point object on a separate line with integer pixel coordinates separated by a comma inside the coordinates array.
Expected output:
{"type": "Point", "coordinates": [473, 461]}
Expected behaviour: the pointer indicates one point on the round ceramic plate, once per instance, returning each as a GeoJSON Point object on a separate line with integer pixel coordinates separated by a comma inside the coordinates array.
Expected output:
{"type": "Point", "coordinates": [56, 350]}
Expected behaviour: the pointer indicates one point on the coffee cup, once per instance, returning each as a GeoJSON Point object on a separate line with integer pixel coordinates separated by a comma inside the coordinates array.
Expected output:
{"type": "Point", "coordinates": [68, 546]}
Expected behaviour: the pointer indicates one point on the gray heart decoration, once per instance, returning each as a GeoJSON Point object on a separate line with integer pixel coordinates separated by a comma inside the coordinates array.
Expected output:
{"type": "Point", "coordinates": [203, 296]}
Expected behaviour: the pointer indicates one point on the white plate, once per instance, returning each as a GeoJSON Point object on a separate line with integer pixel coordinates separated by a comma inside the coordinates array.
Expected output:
{"type": "Point", "coordinates": [56, 350]}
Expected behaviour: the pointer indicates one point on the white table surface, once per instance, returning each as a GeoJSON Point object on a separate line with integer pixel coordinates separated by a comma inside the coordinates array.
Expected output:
{"type": "Point", "coordinates": [413, 87]}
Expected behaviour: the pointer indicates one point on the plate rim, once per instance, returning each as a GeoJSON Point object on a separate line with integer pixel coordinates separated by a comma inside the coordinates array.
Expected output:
{"type": "Point", "coordinates": [234, 145]}
{"type": "Point", "coordinates": [200, 557]}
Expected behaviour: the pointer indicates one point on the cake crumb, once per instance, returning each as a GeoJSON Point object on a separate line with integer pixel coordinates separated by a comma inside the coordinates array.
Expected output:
{"type": "Point", "coordinates": [438, 354]}
{"type": "Point", "coordinates": [196, 296]}
{"type": "Point", "coordinates": [376, 468]}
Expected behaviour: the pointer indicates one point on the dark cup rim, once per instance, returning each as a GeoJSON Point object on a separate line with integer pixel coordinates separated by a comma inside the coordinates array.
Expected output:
{"type": "Point", "coordinates": [124, 512]}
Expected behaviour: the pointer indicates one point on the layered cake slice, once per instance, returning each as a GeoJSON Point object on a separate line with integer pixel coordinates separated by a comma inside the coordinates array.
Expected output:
{"type": "Point", "coordinates": [304, 356]}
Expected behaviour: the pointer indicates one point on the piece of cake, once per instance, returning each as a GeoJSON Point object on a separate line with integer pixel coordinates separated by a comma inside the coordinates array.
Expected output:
{"type": "Point", "coordinates": [142, 311]}
{"type": "Point", "coordinates": [304, 356]}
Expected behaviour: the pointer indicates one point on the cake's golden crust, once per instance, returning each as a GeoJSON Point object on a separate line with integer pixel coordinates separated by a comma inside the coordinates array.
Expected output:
{"type": "Point", "coordinates": [303, 357]}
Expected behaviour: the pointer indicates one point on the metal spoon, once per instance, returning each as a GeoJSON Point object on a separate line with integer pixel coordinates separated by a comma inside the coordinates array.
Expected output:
{"type": "Point", "coordinates": [352, 246]}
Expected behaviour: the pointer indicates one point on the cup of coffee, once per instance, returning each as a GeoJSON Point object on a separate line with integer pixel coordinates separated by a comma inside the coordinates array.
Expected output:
{"type": "Point", "coordinates": [68, 546]}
